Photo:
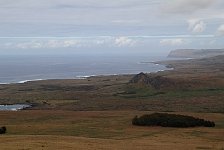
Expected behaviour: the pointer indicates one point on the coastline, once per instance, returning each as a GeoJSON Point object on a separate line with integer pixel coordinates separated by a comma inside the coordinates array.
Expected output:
{"type": "Point", "coordinates": [111, 92]}
{"type": "Point", "coordinates": [81, 77]}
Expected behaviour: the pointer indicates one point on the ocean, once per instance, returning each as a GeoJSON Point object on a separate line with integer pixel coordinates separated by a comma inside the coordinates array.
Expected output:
{"type": "Point", "coordinates": [22, 68]}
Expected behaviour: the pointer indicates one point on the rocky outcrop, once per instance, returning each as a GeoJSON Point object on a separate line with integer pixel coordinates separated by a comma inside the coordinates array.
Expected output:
{"type": "Point", "coordinates": [141, 78]}
{"type": "Point", "coordinates": [156, 82]}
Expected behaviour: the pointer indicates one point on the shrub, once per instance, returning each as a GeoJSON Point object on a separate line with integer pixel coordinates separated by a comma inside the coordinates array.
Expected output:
{"type": "Point", "coordinates": [3, 130]}
{"type": "Point", "coordinates": [170, 120]}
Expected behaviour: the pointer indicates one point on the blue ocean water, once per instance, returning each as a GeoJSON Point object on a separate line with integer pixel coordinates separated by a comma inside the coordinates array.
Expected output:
{"type": "Point", "coordinates": [14, 107]}
{"type": "Point", "coordinates": [21, 68]}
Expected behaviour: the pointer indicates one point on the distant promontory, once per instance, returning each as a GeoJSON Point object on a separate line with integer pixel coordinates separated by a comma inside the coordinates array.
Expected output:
{"type": "Point", "coordinates": [195, 53]}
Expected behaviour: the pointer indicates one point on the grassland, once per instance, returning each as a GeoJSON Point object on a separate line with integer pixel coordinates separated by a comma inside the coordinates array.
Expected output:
{"type": "Point", "coordinates": [114, 93]}
{"type": "Point", "coordinates": [96, 113]}
{"type": "Point", "coordinates": [38, 129]}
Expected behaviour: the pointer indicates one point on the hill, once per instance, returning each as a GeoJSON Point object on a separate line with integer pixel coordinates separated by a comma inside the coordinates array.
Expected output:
{"type": "Point", "coordinates": [156, 82]}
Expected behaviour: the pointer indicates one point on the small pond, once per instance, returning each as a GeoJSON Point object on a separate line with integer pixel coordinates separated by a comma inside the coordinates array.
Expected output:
{"type": "Point", "coordinates": [14, 107]}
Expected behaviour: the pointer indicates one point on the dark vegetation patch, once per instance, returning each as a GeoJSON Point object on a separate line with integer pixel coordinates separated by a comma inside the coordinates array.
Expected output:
{"type": "Point", "coordinates": [170, 120]}
{"type": "Point", "coordinates": [68, 88]}
{"type": "Point", "coordinates": [3, 130]}
{"type": "Point", "coordinates": [193, 93]}
{"type": "Point", "coordinates": [203, 147]}
{"type": "Point", "coordinates": [132, 91]}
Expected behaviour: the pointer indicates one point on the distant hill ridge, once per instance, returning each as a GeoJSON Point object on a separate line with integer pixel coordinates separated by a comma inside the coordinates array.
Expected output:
{"type": "Point", "coordinates": [195, 53]}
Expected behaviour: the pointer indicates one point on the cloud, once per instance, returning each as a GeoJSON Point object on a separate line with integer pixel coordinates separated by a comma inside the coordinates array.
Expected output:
{"type": "Point", "coordinates": [75, 42]}
{"type": "Point", "coordinates": [87, 12]}
{"type": "Point", "coordinates": [124, 41]}
{"type": "Point", "coordinates": [186, 6]}
{"type": "Point", "coordinates": [96, 41]}
{"type": "Point", "coordinates": [25, 45]}
{"type": "Point", "coordinates": [220, 30]}
{"type": "Point", "coordinates": [38, 44]}
{"type": "Point", "coordinates": [172, 42]}
{"type": "Point", "coordinates": [196, 25]}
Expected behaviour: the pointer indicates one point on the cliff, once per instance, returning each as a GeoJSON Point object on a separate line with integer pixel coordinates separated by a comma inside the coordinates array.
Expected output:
{"type": "Point", "coordinates": [195, 53]}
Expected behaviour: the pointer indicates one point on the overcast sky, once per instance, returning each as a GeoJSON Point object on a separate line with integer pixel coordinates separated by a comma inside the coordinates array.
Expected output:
{"type": "Point", "coordinates": [37, 26]}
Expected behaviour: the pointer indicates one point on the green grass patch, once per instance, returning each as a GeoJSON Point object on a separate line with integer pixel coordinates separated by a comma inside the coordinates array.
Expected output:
{"type": "Point", "coordinates": [193, 93]}
{"type": "Point", "coordinates": [146, 92]}
{"type": "Point", "coordinates": [139, 92]}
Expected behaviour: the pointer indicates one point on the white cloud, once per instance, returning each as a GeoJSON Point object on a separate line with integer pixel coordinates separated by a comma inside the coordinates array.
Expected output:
{"type": "Point", "coordinates": [97, 41]}
{"type": "Point", "coordinates": [220, 30]}
{"type": "Point", "coordinates": [192, 23]}
{"type": "Point", "coordinates": [196, 25]}
{"type": "Point", "coordinates": [124, 41]}
{"type": "Point", "coordinates": [62, 43]}
{"type": "Point", "coordinates": [75, 42]}
{"type": "Point", "coordinates": [186, 6]}
{"type": "Point", "coordinates": [200, 27]}
{"type": "Point", "coordinates": [38, 44]}
{"type": "Point", "coordinates": [30, 44]}
{"type": "Point", "coordinates": [172, 42]}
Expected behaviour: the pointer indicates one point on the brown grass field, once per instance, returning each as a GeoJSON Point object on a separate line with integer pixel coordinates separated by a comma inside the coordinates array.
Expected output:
{"type": "Point", "coordinates": [96, 113]}
{"type": "Point", "coordinates": [44, 129]}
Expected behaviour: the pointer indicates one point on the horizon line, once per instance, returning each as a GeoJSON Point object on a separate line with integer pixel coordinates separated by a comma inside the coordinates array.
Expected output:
{"type": "Point", "coordinates": [102, 36]}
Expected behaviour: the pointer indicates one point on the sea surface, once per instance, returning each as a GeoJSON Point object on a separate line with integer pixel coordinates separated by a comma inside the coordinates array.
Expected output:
{"type": "Point", "coordinates": [22, 68]}
{"type": "Point", "coordinates": [14, 107]}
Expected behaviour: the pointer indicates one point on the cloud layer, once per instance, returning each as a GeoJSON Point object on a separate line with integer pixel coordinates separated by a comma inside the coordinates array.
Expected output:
{"type": "Point", "coordinates": [106, 23]}
{"type": "Point", "coordinates": [186, 6]}
{"type": "Point", "coordinates": [78, 42]}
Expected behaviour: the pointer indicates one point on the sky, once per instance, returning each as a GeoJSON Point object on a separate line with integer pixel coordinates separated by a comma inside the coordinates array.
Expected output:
{"type": "Point", "coordinates": [106, 26]}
